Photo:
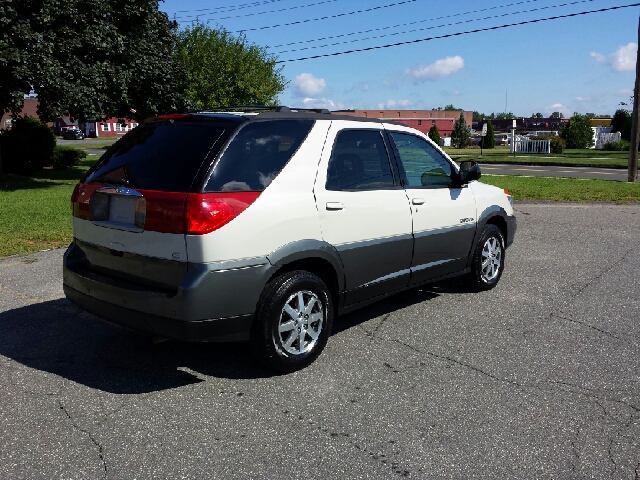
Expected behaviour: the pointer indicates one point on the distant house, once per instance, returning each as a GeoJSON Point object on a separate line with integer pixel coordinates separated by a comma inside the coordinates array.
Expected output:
{"type": "Point", "coordinates": [111, 127]}
{"type": "Point", "coordinates": [63, 123]}
{"type": "Point", "coordinates": [30, 108]}
{"type": "Point", "coordinates": [421, 120]}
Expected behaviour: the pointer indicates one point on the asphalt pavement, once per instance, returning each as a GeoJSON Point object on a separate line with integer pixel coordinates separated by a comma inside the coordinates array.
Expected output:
{"type": "Point", "coordinates": [537, 378]}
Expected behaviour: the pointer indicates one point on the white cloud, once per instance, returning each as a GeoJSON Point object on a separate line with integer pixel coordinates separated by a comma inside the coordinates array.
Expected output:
{"type": "Point", "coordinates": [391, 104]}
{"type": "Point", "coordinates": [624, 59]}
{"type": "Point", "coordinates": [440, 68]}
{"type": "Point", "coordinates": [323, 103]}
{"type": "Point", "coordinates": [306, 85]}
{"type": "Point", "coordinates": [557, 107]}
{"type": "Point", "coordinates": [582, 99]}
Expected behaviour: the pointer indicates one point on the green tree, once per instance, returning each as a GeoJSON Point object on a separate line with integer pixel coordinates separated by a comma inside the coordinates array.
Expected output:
{"type": "Point", "coordinates": [557, 115]}
{"type": "Point", "coordinates": [221, 69]}
{"type": "Point", "coordinates": [505, 116]}
{"type": "Point", "coordinates": [434, 134]}
{"type": "Point", "coordinates": [577, 133]}
{"type": "Point", "coordinates": [88, 59]}
{"type": "Point", "coordinates": [460, 136]}
{"type": "Point", "coordinates": [537, 115]}
{"type": "Point", "coordinates": [27, 147]}
{"type": "Point", "coordinates": [621, 122]}
{"type": "Point", "coordinates": [451, 108]}
{"type": "Point", "coordinates": [489, 140]}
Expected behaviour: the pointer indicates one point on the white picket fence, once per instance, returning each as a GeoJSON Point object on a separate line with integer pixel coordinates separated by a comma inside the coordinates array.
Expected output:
{"type": "Point", "coordinates": [524, 145]}
{"type": "Point", "coordinates": [604, 138]}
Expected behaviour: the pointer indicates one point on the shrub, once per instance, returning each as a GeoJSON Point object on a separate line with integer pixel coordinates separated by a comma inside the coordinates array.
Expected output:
{"type": "Point", "coordinates": [434, 134]}
{"type": "Point", "coordinates": [489, 141]}
{"type": "Point", "coordinates": [65, 157]}
{"type": "Point", "coordinates": [577, 133]}
{"type": "Point", "coordinates": [620, 146]}
{"type": "Point", "coordinates": [621, 122]}
{"type": "Point", "coordinates": [27, 147]}
{"type": "Point", "coordinates": [557, 144]}
{"type": "Point", "coordinates": [460, 136]}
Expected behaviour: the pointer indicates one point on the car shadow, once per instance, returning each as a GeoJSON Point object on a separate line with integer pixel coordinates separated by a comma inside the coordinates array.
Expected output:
{"type": "Point", "coordinates": [59, 338]}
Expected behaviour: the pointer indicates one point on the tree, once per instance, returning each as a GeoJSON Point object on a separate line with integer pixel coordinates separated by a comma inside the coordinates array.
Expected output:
{"type": "Point", "coordinates": [88, 59]}
{"type": "Point", "coordinates": [505, 116]}
{"type": "Point", "coordinates": [434, 134]}
{"type": "Point", "coordinates": [621, 122]}
{"type": "Point", "coordinates": [460, 136]}
{"type": "Point", "coordinates": [537, 115]}
{"type": "Point", "coordinates": [489, 140]}
{"type": "Point", "coordinates": [577, 132]}
{"type": "Point", "coordinates": [451, 108]}
{"type": "Point", "coordinates": [221, 69]}
{"type": "Point", "coordinates": [557, 115]}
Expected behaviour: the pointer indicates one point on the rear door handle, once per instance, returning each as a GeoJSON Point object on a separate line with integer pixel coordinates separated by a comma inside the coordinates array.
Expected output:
{"type": "Point", "coordinates": [334, 206]}
{"type": "Point", "coordinates": [417, 201]}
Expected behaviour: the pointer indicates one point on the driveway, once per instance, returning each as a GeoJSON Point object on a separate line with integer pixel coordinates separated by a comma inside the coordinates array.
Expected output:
{"type": "Point", "coordinates": [538, 378]}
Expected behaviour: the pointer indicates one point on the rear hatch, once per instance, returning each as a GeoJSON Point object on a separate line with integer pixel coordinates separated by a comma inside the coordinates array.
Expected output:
{"type": "Point", "coordinates": [129, 210]}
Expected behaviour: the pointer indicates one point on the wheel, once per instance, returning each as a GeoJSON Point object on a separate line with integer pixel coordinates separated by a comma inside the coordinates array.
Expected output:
{"type": "Point", "coordinates": [488, 259]}
{"type": "Point", "coordinates": [293, 321]}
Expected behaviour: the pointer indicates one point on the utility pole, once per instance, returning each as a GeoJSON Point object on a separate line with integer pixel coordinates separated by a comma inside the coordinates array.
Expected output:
{"type": "Point", "coordinates": [635, 131]}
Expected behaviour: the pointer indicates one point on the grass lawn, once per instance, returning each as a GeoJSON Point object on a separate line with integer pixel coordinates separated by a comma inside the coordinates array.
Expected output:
{"type": "Point", "coordinates": [576, 158]}
{"type": "Point", "coordinates": [35, 212]}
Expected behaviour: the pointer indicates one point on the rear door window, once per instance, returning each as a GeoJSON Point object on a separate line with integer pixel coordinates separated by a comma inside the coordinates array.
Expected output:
{"type": "Point", "coordinates": [164, 155]}
{"type": "Point", "coordinates": [257, 154]}
{"type": "Point", "coordinates": [359, 161]}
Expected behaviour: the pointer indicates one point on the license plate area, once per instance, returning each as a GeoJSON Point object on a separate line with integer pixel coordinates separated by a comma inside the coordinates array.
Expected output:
{"type": "Point", "coordinates": [118, 208]}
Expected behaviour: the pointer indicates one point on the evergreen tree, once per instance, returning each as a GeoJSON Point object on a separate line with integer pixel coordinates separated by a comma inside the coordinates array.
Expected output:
{"type": "Point", "coordinates": [434, 134]}
{"type": "Point", "coordinates": [489, 140]}
{"type": "Point", "coordinates": [460, 136]}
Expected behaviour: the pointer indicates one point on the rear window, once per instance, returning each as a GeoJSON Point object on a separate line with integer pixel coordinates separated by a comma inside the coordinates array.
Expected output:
{"type": "Point", "coordinates": [165, 156]}
{"type": "Point", "coordinates": [257, 154]}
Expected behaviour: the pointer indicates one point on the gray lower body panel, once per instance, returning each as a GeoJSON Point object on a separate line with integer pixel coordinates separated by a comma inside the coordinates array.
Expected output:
{"type": "Point", "coordinates": [208, 299]}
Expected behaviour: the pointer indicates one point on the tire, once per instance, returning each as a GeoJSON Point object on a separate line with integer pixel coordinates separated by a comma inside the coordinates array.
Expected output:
{"type": "Point", "coordinates": [293, 321]}
{"type": "Point", "coordinates": [488, 260]}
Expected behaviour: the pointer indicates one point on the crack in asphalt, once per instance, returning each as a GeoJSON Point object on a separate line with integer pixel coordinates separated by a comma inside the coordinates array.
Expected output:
{"type": "Point", "coordinates": [86, 432]}
{"type": "Point", "coordinates": [601, 274]}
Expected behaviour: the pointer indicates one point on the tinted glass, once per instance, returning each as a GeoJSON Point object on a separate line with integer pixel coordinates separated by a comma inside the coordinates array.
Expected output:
{"type": "Point", "coordinates": [359, 161]}
{"type": "Point", "coordinates": [423, 164]}
{"type": "Point", "coordinates": [257, 154]}
{"type": "Point", "coordinates": [163, 156]}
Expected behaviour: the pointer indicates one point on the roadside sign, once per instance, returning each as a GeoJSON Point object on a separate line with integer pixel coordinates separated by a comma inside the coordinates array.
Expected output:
{"type": "Point", "coordinates": [484, 130]}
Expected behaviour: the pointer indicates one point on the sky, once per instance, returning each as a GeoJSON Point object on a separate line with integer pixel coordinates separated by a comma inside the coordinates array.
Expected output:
{"type": "Point", "coordinates": [583, 63]}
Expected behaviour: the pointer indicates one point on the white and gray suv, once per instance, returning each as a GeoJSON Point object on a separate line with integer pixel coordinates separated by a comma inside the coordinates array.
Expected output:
{"type": "Point", "coordinates": [262, 227]}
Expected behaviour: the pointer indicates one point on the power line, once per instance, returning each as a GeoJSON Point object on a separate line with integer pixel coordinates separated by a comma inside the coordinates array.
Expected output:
{"type": "Point", "coordinates": [460, 33]}
{"type": "Point", "coordinates": [233, 7]}
{"type": "Point", "coordinates": [403, 24]}
{"type": "Point", "coordinates": [327, 17]}
{"type": "Point", "coordinates": [434, 27]}
{"type": "Point", "coordinates": [258, 13]}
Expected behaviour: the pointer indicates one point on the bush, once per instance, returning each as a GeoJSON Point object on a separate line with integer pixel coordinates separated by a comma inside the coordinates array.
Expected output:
{"type": "Point", "coordinates": [621, 122]}
{"type": "Point", "coordinates": [66, 157]}
{"type": "Point", "coordinates": [577, 133]}
{"type": "Point", "coordinates": [620, 146]}
{"type": "Point", "coordinates": [489, 141]}
{"type": "Point", "coordinates": [557, 144]}
{"type": "Point", "coordinates": [27, 147]}
{"type": "Point", "coordinates": [434, 134]}
{"type": "Point", "coordinates": [460, 136]}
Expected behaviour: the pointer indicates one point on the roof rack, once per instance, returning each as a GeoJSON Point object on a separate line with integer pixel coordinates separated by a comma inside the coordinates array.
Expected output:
{"type": "Point", "coordinates": [274, 108]}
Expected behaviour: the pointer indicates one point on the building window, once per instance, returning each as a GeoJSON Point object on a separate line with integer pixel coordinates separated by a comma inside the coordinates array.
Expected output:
{"type": "Point", "coordinates": [419, 122]}
{"type": "Point", "coordinates": [132, 126]}
{"type": "Point", "coordinates": [105, 127]}
{"type": "Point", "coordinates": [119, 127]}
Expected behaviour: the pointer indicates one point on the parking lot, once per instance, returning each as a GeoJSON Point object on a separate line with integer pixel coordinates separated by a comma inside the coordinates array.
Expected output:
{"type": "Point", "coordinates": [538, 378]}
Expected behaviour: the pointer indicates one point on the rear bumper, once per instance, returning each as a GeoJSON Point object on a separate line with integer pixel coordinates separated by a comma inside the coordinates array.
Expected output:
{"type": "Point", "coordinates": [231, 329]}
{"type": "Point", "coordinates": [214, 302]}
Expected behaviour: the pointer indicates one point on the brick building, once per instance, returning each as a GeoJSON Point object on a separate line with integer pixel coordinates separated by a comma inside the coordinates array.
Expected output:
{"type": "Point", "coordinates": [421, 120]}
{"type": "Point", "coordinates": [30, 108]}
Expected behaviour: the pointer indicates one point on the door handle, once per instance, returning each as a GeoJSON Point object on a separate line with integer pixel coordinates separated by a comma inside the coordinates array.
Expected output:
{"type": "Point", "coordinates": [417, 201]}
{"type": "Point", "coordinates": [334, 206]}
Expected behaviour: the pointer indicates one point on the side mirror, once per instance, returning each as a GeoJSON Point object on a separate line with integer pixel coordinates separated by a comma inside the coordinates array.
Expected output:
{"type": "Point", "coordinates": [469, 171]}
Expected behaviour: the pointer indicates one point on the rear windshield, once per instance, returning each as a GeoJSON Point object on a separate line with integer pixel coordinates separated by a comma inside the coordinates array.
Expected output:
{"type": "Point", "coordinates": [257, 154]}
{"type": "Point", "coordinates": [164, 155]}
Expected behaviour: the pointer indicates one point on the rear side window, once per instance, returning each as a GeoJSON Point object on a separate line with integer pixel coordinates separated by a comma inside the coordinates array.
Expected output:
{"type": "Point", "coordinates": [163, 156]}
{"type": "Point", "coordinates": [256, 155]}
{"type": "Point", "coordinates": [359, 161]}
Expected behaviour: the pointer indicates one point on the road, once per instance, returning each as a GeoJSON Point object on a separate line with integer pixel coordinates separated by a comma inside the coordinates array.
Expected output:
{"type": "Point", "coordinates": [538, 378]}
{"type": "Point", "coordinates": [555, 171]}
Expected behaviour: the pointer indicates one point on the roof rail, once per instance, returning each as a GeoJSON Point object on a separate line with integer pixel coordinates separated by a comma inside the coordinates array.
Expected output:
{"type": "Point", "coordinates": [252, 108]}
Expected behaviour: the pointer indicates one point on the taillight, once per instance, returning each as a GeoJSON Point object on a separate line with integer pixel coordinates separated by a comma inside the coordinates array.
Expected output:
{"type": "Point", "coordinates": [80, 200]}
{"type": "Point", "coordinates": [206, 212]}
{"type": "Point", "coordinates": [165, 211]}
